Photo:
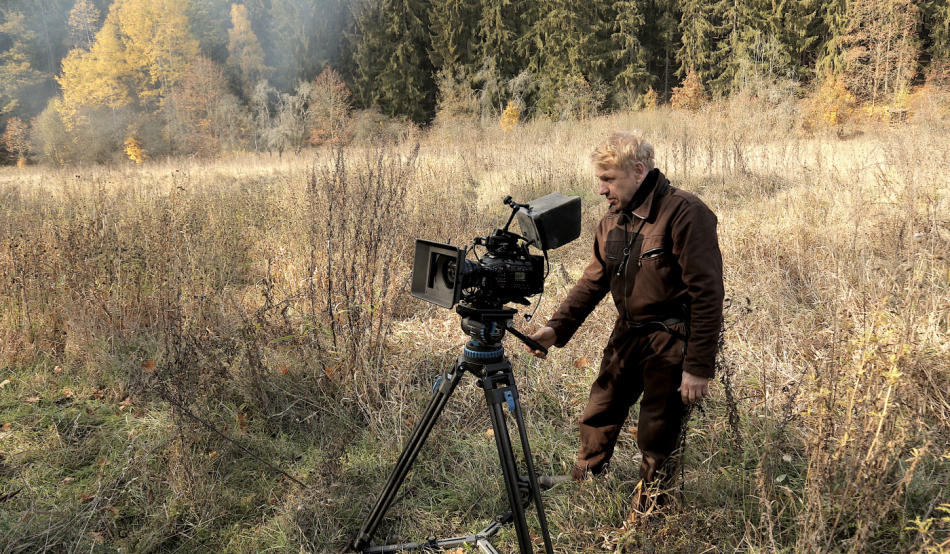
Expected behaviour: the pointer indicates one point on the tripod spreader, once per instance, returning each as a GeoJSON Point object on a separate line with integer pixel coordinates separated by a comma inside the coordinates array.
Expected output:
{"type": "Point", "coordinates": [483, 357]}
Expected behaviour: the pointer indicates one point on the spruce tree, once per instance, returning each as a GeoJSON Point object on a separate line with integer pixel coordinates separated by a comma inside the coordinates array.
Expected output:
{"type": "Point", "coordinates": [631, 56]}
{"type": "Point", "coordinates": [451, 34]}
{"type": "Point", "coordinates": [497, 36]}
{"type": "Point", "coordinates": [391, 66]}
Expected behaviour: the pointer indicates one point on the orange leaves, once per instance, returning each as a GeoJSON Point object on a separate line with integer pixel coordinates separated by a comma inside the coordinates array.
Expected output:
{"type": "Point", "coordinates": [581, 362]}
{"type": "Point", "coordinates": [148, 366]}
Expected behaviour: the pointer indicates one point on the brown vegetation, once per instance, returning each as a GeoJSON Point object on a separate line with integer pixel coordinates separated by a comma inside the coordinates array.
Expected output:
{"type": "Point", "coordinates": [268, 297]}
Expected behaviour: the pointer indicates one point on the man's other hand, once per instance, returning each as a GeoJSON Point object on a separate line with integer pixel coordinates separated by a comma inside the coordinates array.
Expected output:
{"type": "Point", "coordinates": [693, 388]}
{"type": "Point", "coordinates": [544, 336]}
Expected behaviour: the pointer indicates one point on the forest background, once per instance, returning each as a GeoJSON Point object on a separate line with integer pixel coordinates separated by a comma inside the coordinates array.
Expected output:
{"type": "Point", "coordinates": [204, 262]}
{"type": "Point", "coordinates": [97, 80]}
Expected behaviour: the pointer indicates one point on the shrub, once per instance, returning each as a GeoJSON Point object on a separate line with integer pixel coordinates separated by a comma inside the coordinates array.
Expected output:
{"type": "Point", "coordinates": [510, 117]}
{"type": "Point", "coordinates": [691, 95]}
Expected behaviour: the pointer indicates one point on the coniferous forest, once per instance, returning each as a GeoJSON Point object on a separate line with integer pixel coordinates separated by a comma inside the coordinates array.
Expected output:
{"type": "Point", "coordinates": [97, 80]}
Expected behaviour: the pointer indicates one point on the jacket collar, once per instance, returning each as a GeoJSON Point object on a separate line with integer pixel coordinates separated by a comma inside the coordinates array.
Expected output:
{"type": "Point", "coordinates": [654, 186]}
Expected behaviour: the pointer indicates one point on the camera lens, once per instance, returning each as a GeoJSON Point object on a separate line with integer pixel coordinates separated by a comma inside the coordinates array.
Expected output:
{"type": "Point", "coordinates": [450, 272]}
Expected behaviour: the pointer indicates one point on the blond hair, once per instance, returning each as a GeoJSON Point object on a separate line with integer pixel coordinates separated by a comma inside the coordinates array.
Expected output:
{"type": "Point", "coordinates": [623, 151]}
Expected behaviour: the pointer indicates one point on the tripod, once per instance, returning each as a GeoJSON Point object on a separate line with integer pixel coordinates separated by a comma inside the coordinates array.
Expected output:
{"type": "Point", "coordinates": [483, 357]}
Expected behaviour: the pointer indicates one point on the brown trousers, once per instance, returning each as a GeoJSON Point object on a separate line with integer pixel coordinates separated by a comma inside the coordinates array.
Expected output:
{"type": "Point", "coordinates": [634, 364]}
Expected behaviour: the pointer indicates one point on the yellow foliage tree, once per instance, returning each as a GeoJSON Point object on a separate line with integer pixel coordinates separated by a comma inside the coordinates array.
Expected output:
{"type": "Point", "coordinates": [510, 117]}
{"type": "Point", "coordinates": [134, 150]}
{"type": "Point", "coordinates": [138, 56]}
{"type": "Point", "coordinates": [83, 19]}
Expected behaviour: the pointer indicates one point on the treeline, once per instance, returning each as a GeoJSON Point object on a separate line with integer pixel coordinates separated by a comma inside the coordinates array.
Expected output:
{"type": "Point", "coordinates": [89, 80]}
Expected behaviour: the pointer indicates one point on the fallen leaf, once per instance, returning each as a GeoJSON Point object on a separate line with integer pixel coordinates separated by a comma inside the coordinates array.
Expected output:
{"type": "Point", "coordinates": [489, 434]}
{"type": "Point", "coordinates": [581, 362]}
{"type": "Point", "coordinates": [213, 455]}
{"type": "Point", "coordinates": [58, 369]}
{"type": "Point", "coordinates": [97, 536]}
{"type": "Point", "coordinates": [272, 501]}
{"type": "Point", "coordinates": [5, 383]}
{"type": "Point", "coordinates": [282, 369]}
{"type": "Point", "coordinates": [33, 399]}
{"type": "Point", "coordinates": [632, 430]}
{"type": "Point", "coordinates": [242, 421]}
{"type": "Point", "coordinates": [113, 510]}
{"type": "Point", "coordinates": [68, 480]}
{"type": "Point", "coordinates": [148, 366]}
{"type": "Point", "coordinates": [68, 392]}
{"type": "Point", "coordinates": [6, 426]}
{"type": "Point", "coordinates": [127, 402]}
{"type": "Point", "coordinates": [86, 498]}
{"type": "Point", "coordinates": [103, 462]}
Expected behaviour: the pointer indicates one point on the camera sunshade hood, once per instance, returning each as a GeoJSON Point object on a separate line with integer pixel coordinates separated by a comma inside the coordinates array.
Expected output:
{"type": "Point", "coordinates": [551, 221]}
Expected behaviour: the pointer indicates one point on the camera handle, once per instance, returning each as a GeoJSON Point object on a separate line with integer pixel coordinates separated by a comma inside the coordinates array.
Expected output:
{"type": "Point", "coordinates": [525, 338]}
{"type": "Point", "coordinates": [484, 357]}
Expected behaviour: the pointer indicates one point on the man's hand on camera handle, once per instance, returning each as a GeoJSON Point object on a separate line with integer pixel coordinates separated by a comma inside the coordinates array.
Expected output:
{"type": "Point", "coordinates": [693, 388]}
{"type": "Point", "coordinates": [544, 336]}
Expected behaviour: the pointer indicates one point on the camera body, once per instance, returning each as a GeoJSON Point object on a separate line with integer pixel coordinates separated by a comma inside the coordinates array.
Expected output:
{"type": "Point", "coordinates": [507, 272]}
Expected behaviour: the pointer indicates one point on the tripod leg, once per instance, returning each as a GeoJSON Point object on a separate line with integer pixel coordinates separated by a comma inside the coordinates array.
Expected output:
{"type": "Point", "coordinates": [408, 457]}
{"type": "Point", "coordinates": [496, 400]}
{"type": "Point", "coordinates": [532, 474]}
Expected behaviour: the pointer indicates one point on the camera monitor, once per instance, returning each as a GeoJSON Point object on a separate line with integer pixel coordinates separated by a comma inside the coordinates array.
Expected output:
{"type": "Point", "coordinates": [551, 221]}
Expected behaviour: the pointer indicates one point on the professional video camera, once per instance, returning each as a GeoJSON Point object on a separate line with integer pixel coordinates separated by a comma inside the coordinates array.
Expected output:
{"type": "Point", "coordinates": [507, 272]}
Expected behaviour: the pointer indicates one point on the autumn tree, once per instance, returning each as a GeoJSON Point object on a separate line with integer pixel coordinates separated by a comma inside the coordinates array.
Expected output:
{"type": "Point", "coordinates": [16, 139]}
{"type": "Point", "coordinates": [204, 117]}
{"type": "Point", "coordinates": [139, 55]}
{"type": "Point", "coordinates": [16, 72]}
{"type": "Point", "coordinates": [245, 55]}
{"type": "Point", "coordinates": [880, 48]}
{"type": "Point", "coordinates": [328, 109]}
{"type": "Point", "coordinates": [83, 24]}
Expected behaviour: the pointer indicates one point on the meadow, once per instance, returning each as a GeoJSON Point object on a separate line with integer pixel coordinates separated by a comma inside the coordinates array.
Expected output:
{"type": "Point", "coordinates": [267, 297]}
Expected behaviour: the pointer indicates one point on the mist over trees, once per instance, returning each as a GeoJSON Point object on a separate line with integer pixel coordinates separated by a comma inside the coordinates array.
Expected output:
{"type": "Point", "coordinates": [79, 79]}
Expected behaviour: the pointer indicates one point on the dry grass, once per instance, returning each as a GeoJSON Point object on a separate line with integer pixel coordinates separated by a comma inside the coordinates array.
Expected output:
{"type": "Point", "coordinates": [268, 296]}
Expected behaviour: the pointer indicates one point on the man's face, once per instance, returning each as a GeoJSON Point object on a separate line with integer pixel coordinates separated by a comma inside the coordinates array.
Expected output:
{"type": "Point", "coordinates": [619, 186]}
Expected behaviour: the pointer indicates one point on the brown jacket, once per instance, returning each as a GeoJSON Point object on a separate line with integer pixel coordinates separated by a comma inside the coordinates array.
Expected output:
{"type": "Point", "coordinates": [673, 264]}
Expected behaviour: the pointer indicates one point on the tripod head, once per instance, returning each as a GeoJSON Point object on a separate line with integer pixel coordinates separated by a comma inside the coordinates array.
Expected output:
{"type": "Point", "coordinates": [487, 328]}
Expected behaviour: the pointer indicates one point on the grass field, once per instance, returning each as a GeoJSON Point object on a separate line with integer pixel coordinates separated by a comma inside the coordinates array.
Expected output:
{"type": "Point", "coordinates": [268, 296]}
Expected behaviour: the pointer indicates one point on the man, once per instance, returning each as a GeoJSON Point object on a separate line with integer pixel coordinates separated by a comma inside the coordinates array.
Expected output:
{"type": "Point", "coordinates": [657, 253]}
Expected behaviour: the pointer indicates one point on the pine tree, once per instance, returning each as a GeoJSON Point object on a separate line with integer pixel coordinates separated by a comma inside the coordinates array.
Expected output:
{"type": "Point", "coordinates": [392, 69]}
{"type": "Point", "coordinates": [935, 41]}
{"type": "Point", "coordinates": [659, 36]}
{"type": "Point", "coordinates": [451, 25]}
{"type": "Point", "coordinates": [573, 42]}
{"type": "Point", "coordinates": [832, 23]}
{"type": "Point", "coordinates": [208, 22]}
{"type": "Point", "coordinates": [497, 33]}
{"type": "Point", "coordinates": [631, 55]}
{"type": "Point", "coordinates": [701, 30]}
{"type": "Point", "coordinates": [306, 37]}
